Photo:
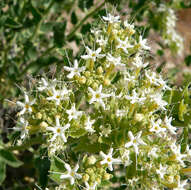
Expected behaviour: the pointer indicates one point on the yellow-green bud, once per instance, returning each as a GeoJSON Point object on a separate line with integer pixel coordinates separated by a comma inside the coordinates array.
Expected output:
{"type": "Point", "coordinates": [99, 70]}
{"type": "Point", "coordinates": [94, 86]}
{"type": "Point", "coordinates": [82, 80]}
{"type": "Point", "coordinates": [139, 117]}
{"type": "Point", "coordinates": [87, 74]}
{"type": "Point", "coordinates": [43, 124]}
{"type": "Point", "coordinates": [91, 160]}
{"type": "Point", "coordinates": [106, 82]}
{"type": "Point", "coordinates": [39, 115]}
{"type": "Point", "coordinates": [98, 180]}
{"type": "Point", "coordinates": [90, 171]}
{"type": "Point", "coordinates": [106, 176]}
{"type": "Point", "coordinates": [85, 177]}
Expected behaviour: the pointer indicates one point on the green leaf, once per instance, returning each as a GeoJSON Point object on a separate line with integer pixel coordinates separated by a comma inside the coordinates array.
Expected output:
{"type": "Point", "coordinates": [42, 165]}
{"type": "Point", "coordinates": [74, 18]}
{"type": "Point", "coordinates": [57, 167]}
{"type": "Point", "coordinates": [2, 171]}
{"type": "Point", "coordinates": [184, 140]}
{"type": "Point", "coordinates": [182, 110]}
{"type": "Point", "coordinates": [9, 158]}
{"type": "Point", "coordinates": [59, 33]}
{"type": "Point", "coordinates": [12, 24]}
{"type": "Point", "coordinates": [187, 60]}
{"type": "Point", "coordinates": [85, 4]}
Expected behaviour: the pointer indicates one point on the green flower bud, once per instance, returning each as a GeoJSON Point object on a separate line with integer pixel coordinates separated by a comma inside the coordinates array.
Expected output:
{"type": "Point", "coordinates": [91, 160]}
{"type": "Point", "coordinates": [85, 177]}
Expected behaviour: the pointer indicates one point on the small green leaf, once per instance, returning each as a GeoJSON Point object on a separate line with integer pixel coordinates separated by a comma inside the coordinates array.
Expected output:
{"type": "Point", "coordinates": [9, 158]}
{"type": "Point", "coordinates": [2, 171]}
{"type": "Point", "coordinates": [184, 140]}
{"type": "Point", "coordinates": [182, 110]}
{"type": "Point", "coordinates": [188, 60]}
{"type": "Point", "coordinates": [74, 18]}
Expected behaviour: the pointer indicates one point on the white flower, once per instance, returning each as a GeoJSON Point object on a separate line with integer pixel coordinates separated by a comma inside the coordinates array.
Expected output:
{"type": "Point", "coordinates": [26, 107]}
{"type": "Point", "coordinates": [121, 113]}
{"type": "Point", "coordinates": [138, 62]}
{"type": "Point", "coordinates": [129, 78]}
{"type": "Point", "coordinates": [124, 44]}
{"type": "Point", "coordinates": [130, 27]}
{"type": "Point", "coordinates": [58, 131]}
{"type": "Point", "coordinates": [88, 125]}
{"type": "Point", "coordinates": [153, 152]}
{"type": "Point", "coordinates": [142, 43]}
{"type": "Point", "coordinates": [168, 125]}
{"type": "Point", "coordinates": [73, 113]}
{"type": "Point", "coordinates": [71, 174]}
{"type": "Point", "coordinates": [161, 171]}
{"type": "Point", "coordinates": [24, 130]}
{"type": "Point", "coordinates": [155, 127]}
{"type": "Point", "coordinates": [97, 96]}
{"type": "Point", "coordinates": [88, 187]}
{"type": "Point", "coordinates": [157, 98]}
{"type": "Point", "coordinates": [101, 41]}
{"type": "Point", "coordinates": [111, 19]}
{"type": "Point", "coordinates": [76, 70]}
{"type": "Point", "coordinates": [178, 156]}
{"type": "Point", "coordinates": [180, 185]}
{"type": "Point", "coordinates": [45, 85]}
{"type": "Point", "coordinates": [135, 141]}
{"type": "Point", "coordinates": [116, 61]}
{"type": "Point", "coordinates": [126, 157]}
{"type": "Point", "coordinates": [93, 54]}
{"type": "Point", "coordinates": [58, 95]}
{"type": "Point", "coordinates": [105, 131]}
{"type": "Point", "coordinates": [135, 98]}
{"type": "Point", "coordinates": [109, 160]}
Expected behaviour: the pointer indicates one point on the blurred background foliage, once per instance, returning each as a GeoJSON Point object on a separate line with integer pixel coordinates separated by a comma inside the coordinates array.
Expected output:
{"type": "Point", "coordinates": [40, 36]}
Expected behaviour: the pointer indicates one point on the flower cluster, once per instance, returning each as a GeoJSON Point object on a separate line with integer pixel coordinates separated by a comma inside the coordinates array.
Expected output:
{"type": "Point", "coordinates": [109, 107]}
{"type": "Point", "coordinates": [171, 37]}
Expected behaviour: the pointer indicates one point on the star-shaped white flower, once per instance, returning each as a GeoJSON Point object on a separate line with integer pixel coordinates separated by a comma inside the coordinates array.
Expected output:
{"type": "Point", "coordinates": [58, 131]}
{"type": "Point", "coordinates": [135, 98]}
{"type": "Point", "coordinates": [156, 127]}
{"type": "Point", "coordinates": [138, 62]}
{"type": "Point", "coordinates": [24, 130]}
{"type": "Point", "coordinates": [124, 44]}
{"type": "Point", "coordinates": [157, 98]}
{"type": "Point", "coordinates": [142, 43]}
{"type": "Point", "coordinates": [76, 70]}
{"type": "Point", "coordinates": [178, 156]}
{"type": "Point", "coordinates": [97, 96]}
{"type": "Point", "coordinates": [93, 55]}
{"type": "Point", "coordinates": [90, 187]}
{"type": "Point", "coordinates": [180, 185]}
{"type": "Point", "coordinates": [168, 125]}
{"type": "Point", "coordinates": [73, 113]}
{"type": "Point", "coordinates": [71, 174]}
{"type": "Point", "coordinates": [88, 125]}
{"type": "Point", "coordinates": [109, 160]}
{"type": "Point", "coordinates": [130, 27]}
{"type": "Point", "coordinates": [116, 61]}
{"type": "Point", "coordinates": [58, 95]}
{"type": "Point", "coordinates": [135, 141]}
{"type": "Point", "coordinates": [111, 19]}
{"type": "Point", "coordinates": [27, 106]}
{"type": "Point", "coordinates": [45, 85]}
{"type": "Point", "coordinates": [161, 171]}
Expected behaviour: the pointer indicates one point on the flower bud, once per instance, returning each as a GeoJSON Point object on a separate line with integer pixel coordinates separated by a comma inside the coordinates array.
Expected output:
{"type": "Point", "coordinates": [91, 160]}
{"type": "Point", "coordinates": [106, 176]}
{"type": "Point", "coordinates": [87, 74]}
{"type": "Point", "coordinates": [106, 82]}
{"type": "Point", "coordinates": [85, 177]}
{"type": "Point", "coordinates": [39, 115]}
{"type": "Point", "coordinates": [99, 70]}
{"type": "Point", "coordinates": [82, 80]}
{"type": "Point", "coordinates": [43, 124]}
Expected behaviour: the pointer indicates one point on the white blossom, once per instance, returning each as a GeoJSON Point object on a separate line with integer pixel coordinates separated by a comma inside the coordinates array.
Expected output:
{"type": "Point", "coordinates": [124, 44]}
{"type": "Point", "coordinates": [46, 85]}
{"type": "Point", "coordinates": [71, 174]}
{"type": "Point", "coordinates": [27, 106]}
{"type": "Point", "coordinates": [109, 160]}
{"type": "Point", "coordinates": [97, 96]}
{"type": "Point", "coordinates": [90, 187]}
{"type": "Point", "coordinates": [73, 113]}
{"type": "Point", "coordinates": [135, 141]}
{"type": "Point", "coordinates": [116, 61]}
{"type": "Point", "coordinates": [88, 125]}
{"type": "Point", "coordinates": [23, 127]}
{"type": "Point", "coordinates": [76, 70]}
{"type": "Point", "coordinates": [168, 125]}
{"type": "Point", "coordinates": [142, 43]}
{"type": "Point", "coordinates": [111, 19]}
{"type": "Point", "coordinates": [135, 98]}
{"type": "Point", "coordinates": [93, 55]}
{"type": "Point", "coordinates": [58, 130]}
{"type": "Point", "coordinates": [58, 95]}
{"type": "Point", "coordinates": [161, 171]}
{"type": "Point", "coordinates": [180, 185]}
{"type": "Point", "coordinates": [156, 127]}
